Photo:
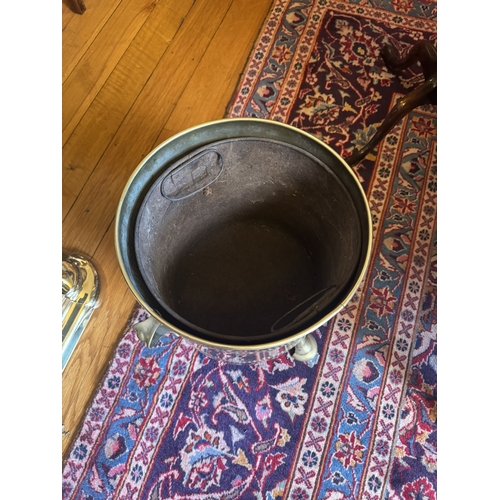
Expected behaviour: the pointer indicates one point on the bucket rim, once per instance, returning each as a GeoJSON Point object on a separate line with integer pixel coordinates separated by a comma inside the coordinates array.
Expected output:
{"type": "Point", "coordinates": [241, 347]}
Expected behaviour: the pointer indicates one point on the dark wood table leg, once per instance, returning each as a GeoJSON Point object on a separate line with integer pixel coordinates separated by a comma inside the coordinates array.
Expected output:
{"type": "Point", "coordinates": [423, 52]}
{"type": "Point", "coordinates": [77, 6]}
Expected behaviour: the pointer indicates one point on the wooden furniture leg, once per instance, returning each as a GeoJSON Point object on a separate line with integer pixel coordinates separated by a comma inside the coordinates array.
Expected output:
{"type": "Point", "coordinates": [423, 52]}
{"type": "Point", "coordinates": [77, 6]}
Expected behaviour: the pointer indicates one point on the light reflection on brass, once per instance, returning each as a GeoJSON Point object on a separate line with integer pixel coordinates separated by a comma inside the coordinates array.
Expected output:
{"type": "Point", "coordinates": [80, 292]}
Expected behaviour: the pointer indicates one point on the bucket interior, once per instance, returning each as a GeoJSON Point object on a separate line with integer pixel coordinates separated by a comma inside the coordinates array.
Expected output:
{"type": "Point", "coordinates": [246, 240]}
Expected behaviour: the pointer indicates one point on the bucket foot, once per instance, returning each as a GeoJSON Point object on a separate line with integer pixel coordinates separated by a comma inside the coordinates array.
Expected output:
{"type": "Point", "coordinates": [306, 348]}
{"type": "Point", "coordinates": [149, 331]}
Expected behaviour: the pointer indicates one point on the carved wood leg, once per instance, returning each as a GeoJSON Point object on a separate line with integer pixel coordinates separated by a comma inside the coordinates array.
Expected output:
{"type": "Point", "coordinates": [77, 6]}
{"type": "Point", "coordinates": [423, 52]}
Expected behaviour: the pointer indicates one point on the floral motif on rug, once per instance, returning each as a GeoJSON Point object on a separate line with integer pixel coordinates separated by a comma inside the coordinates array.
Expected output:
{"type": "Point", "coordinates": [359, 420]}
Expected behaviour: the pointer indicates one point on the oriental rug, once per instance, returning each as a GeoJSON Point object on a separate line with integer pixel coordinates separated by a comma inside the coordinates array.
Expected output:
{"type": "Point", "coordinates": [359, 421]}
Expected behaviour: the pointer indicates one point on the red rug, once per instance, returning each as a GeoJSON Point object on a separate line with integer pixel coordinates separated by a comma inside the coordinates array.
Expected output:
{"type": "Point", "coordinates": [359, 421]}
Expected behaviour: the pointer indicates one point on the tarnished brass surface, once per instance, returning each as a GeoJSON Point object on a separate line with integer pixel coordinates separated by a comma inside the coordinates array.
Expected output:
{"type": "Point", "coordinates": [172, 151]}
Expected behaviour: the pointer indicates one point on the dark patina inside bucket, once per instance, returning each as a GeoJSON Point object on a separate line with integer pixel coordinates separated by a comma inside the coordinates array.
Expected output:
{"type": "Point", "coordinates": [246, 240]}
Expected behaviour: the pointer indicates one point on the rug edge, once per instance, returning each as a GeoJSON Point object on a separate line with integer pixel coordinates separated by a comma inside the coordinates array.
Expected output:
{"type": "Point", "coordinates": [78, 429]}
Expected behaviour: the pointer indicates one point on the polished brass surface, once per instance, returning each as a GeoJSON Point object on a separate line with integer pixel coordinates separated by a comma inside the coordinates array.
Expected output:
{"type": "Point", "coordinates": [80, 292]}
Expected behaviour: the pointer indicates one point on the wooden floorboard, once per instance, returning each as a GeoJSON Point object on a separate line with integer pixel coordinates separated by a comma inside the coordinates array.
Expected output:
{"type": "Point", "coordinates": [217, 76]}
{"type": "Point", "coordinates": [102, 56]}
{"type": "Point", "coordinates": [112, 104]}
{"type": "Point", "coordinates": [132, 77]}
{"type": "Point", "coordinates": [80, 31]}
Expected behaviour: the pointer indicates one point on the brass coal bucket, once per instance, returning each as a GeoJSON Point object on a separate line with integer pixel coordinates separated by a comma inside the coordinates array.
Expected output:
{"type": "Point", "coordinates": [243, 236]}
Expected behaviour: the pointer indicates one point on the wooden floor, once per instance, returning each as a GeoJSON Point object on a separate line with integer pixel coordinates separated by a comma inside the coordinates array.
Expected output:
{"type": "Point", "coordinates": [134, 73]}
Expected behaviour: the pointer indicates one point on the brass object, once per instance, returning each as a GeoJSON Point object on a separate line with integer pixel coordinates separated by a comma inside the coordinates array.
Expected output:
{"type": "Point", "coordinates": [193, 167]}
{"type": "Point", "coordinates": [306, 348]}
{"type": "Point", "coordinates": [80, 292]}
{"type": "Point", "coordinates": [151, 330]}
